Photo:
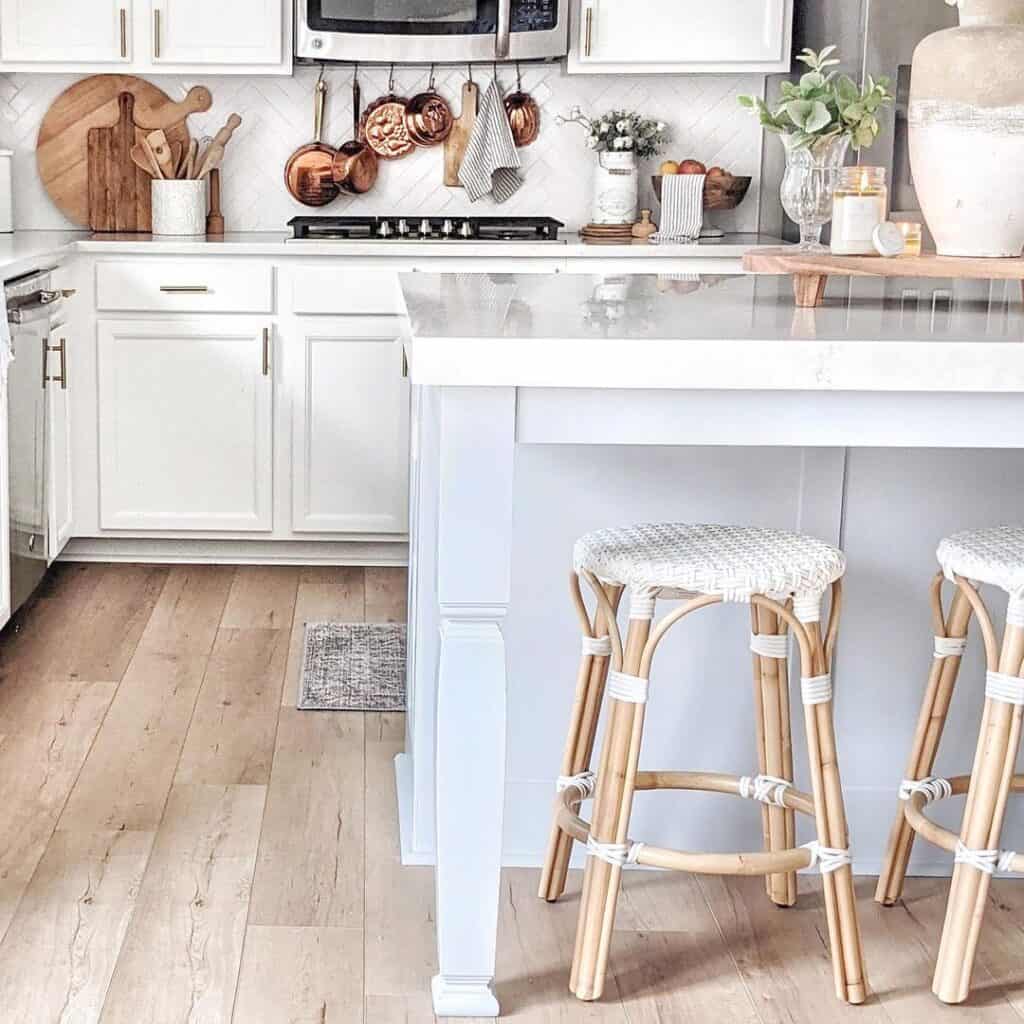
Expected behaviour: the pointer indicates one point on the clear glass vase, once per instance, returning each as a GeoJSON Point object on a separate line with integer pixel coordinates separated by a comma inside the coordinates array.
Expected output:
{"type": "Point", "coordinates": [812, 173]}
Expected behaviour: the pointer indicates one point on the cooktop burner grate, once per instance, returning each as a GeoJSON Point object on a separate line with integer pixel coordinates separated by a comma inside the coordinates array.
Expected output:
{"type": "Point", "coordinates": [442, 229]}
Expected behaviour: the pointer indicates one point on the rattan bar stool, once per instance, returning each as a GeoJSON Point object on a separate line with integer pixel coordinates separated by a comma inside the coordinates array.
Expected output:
{"type": "Point", "coordinates": [783, 577]}
{"type": "Point", "coordinates": [995, 557]}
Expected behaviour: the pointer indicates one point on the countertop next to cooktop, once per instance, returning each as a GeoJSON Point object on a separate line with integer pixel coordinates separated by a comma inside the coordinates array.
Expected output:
{"type": "Point", "coordinates": [27, 250]}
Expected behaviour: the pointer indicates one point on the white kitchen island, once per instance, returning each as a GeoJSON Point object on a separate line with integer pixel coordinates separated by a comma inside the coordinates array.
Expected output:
{"type": "Point", "coordinates": [548, 406]}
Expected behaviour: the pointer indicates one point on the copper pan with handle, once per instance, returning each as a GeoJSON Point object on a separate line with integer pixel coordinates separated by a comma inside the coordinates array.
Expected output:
{"type": "Point", "coordinates": [355, 165]}
{"type": "Point", "coordinates": [309, 173]}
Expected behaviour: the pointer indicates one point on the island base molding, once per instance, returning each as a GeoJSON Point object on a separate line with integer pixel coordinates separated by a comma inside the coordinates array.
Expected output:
{"type": "Point", "coordinates": [458, 996]}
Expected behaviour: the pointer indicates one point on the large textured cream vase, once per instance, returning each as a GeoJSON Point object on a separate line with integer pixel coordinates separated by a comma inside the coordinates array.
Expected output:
{"type": "Point", "coordinates": [967, 130]}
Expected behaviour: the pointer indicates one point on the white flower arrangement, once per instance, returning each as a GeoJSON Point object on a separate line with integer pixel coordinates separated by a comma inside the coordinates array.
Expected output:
{"type": "Point", "coordinates": [620, 131]}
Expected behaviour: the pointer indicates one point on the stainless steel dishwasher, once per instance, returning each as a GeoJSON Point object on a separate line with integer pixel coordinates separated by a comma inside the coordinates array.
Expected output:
{"type": "Point", "coordinates": [34, 312]}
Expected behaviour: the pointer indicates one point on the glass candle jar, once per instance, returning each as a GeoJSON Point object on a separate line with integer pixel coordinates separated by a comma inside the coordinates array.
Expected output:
{"type": "Point", "coordinates": [911, 231]}
{"type": "Point", "coordinates": [859, 204]}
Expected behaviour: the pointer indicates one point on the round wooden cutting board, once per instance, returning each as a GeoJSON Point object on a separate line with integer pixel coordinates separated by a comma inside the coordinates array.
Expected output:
{"type": "Point", "coordinates": [62, 148]}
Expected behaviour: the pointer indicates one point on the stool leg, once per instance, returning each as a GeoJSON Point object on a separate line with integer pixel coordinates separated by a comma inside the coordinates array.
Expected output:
{"type": "Point", "coordinates": [930, 724]}
{"type": "Point", "coordinates": [998, 744]}
{"type": "Point", "coordinates": [830, 815]}
{"type": "Point", "coordinates": [613, 803]}
{"type": "Point", "coordinates": [775, 752]}
{"type": "Point", "coordinates": [579, 749]}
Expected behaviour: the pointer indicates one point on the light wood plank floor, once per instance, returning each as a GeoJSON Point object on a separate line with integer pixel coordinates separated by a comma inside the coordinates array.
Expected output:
{"type": "Point", "coordinates": [179, 844]}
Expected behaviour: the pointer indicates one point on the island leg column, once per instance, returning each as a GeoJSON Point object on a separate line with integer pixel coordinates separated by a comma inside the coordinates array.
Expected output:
{"type": "Point", "coordinates": [474, 540]}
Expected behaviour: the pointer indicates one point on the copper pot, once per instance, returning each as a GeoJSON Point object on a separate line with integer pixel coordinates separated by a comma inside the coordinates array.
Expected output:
{"type": "Point", "coordinates": [428, 118]}
{"type": "Point", "coordinates": [309, 173]}
{"type": "Point", "coordinates": [355, 165]}
{"type": "Point", "coordinates": [523, 114]}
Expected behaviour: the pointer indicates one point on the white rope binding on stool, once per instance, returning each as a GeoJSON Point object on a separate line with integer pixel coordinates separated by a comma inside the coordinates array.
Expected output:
{"type": "Point", "coordinates": [1008, 689]}
{"type": "Point", "coordinates": [641, 604]}
{"type": "Point", "coordinates": [829, 858]}
{"type": "Point", "coordinates": [631, 689]}
{"type": "Point", "coordinates": [585, 782]}
{"type": "Point", "coordinates": [1015, 611]}
{"type": "Point", "coordinates": [950, 646]}
{"type": "Point", "coordinates": [768, 789]}
{"type": "Point", "coordinates": [932, 787]}
{"type": "Point", "coordinates": [616, 854]}
{"type": "Point", "coordinates": [597, 646]}
{"type": "Point", "coordinates": [816, 689]}
{"type": "Point", "coordinates": [807, 607]}
{"type": "Point", "coordinates": [768, 645]}
{"type": "Point", "coordinates": [989, 861]}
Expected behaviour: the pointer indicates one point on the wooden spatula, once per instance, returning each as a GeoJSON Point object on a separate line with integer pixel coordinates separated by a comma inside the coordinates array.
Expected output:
{"type": "Point", "coordinates": [162, 152]}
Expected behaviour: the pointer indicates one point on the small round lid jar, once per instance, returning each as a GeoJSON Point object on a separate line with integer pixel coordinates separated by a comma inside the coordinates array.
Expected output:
{"type": "Point", "coordinates": [860, 203]}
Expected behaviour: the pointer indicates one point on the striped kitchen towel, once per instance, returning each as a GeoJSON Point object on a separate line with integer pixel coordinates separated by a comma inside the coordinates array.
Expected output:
{"type": "Point", "coordinates": [682, 208]}
{"type": "Point", "coordinates": [491, 159]}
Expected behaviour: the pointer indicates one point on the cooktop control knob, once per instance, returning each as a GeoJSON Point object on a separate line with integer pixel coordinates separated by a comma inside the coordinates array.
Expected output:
{"type": "Point", "coordinates": [385, 230]}
{"type": "Point", "coordinates": [447, 228]}
{"type": "Point", "coordinates": [403, 228]}
{"type": "Point", "coordinates": [466, 229]}
{"type": "Point", "coordinates": [424, 228]}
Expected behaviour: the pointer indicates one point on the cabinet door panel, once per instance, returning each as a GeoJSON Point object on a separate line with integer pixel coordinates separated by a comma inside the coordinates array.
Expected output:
{"type": "Point", "coordinates": [58, 441]}
{"type": "Point", "coordinates": [185, 426]}
{"type": "Point", "coordinates": [224, 32]}
{"type": "Point", "coordinates": [350, 430]}
{"type": "Point", "coordinates": [661, 34]}
{"type": "Point", "coordinates": [65, 32]}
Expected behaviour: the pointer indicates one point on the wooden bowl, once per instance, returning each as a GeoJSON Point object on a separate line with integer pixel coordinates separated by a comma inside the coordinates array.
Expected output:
{"type": "Point", "coordinates": [722, 193]}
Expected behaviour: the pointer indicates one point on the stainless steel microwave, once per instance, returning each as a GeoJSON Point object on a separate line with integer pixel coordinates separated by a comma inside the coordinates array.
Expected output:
{"type": "Point", "coordinates": [421, 31]}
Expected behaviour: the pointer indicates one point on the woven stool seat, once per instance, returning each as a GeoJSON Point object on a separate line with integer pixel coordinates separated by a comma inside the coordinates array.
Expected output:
{"type": "Point", "coordinates": [994, 556]}
{"type": "Point", "coordinates": [735, 561]}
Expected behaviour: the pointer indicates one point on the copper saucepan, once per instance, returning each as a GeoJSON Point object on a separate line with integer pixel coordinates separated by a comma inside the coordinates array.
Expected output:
{"type": "Point", "coordinates": [355, 164]}
{"type": "Point", "coordinates": [428, 118]}
{"type": "Point", "coordinates": [523, 114]}
{"type": "Point", "coordinates": [308, 175]}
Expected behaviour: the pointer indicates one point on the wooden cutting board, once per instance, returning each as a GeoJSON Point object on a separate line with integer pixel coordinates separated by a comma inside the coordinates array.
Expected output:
{"type": "Point", "coordinates": [62, 148]}
{"type": "Point", "coordinates": [120, 194]}
{"type": "Point", "coordinates": [456, 143]}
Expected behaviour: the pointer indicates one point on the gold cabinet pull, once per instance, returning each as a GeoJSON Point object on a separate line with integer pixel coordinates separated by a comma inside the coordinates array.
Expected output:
{"type": "Point", "coordinates": [124, 33]}
{"type": "Point", "coordinates": [589, 32]}
{"type": "Point", "coordinates": [405, 364]}
{"type": "Point", "coordinates": [62, 349]}
{"type": "Point", "coordinates": [185, 289]}
{"type": "Point", "coordinates": [156, 33]}
{"type": "Point", "coordinates": [266, 351]}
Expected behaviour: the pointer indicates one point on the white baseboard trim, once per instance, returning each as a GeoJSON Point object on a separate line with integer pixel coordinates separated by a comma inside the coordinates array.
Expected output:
{"type": "Point", "coordinates": [197, 551]}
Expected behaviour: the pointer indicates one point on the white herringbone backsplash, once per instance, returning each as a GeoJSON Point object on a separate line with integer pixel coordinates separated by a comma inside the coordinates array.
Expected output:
{"type": "Point", "coordinates": [277, 115]}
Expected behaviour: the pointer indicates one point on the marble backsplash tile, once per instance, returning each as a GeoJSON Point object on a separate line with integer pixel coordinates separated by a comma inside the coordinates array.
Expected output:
{"type": "Point", "coordinates": [278, 116]}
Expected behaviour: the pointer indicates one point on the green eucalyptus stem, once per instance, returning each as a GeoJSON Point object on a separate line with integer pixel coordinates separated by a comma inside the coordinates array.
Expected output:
{"type": "Point", "coordinates": [825, 104]}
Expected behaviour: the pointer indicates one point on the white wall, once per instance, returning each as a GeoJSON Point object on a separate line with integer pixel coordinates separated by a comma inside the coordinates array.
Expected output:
{"type": "Point", "coordinates": [278, 117]}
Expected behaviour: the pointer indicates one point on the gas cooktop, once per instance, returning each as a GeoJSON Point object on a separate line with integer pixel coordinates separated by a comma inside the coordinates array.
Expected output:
{"type": "Point", "coordinates": [425, 229]}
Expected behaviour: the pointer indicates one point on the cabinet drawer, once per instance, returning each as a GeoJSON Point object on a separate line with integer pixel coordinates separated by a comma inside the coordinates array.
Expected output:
{"type": "Point", "coordinates": [342, 292]}
{"type": "Point", "coordinates": [185, 286]}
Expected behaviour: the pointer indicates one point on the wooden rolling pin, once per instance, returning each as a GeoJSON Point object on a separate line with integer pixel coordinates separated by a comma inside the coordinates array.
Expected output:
{"type": "Point", "coordinates": [215, 153]}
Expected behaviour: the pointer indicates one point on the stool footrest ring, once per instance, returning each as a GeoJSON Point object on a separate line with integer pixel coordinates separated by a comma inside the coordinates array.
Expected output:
{"type": "Point", "coordinates": [988, 861]}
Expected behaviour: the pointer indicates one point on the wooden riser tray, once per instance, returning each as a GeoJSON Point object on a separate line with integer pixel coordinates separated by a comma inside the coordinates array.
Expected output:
{"type": "Point", "coordinates": [810, 272]}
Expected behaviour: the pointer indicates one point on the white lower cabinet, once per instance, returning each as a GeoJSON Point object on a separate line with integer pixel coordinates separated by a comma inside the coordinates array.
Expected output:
{"type": "Point", "coordinates": [350, 425]}
{"type": "Point", "coordinates": [186, 424]}
{"type": "Point", "coordinates": [5, 513]}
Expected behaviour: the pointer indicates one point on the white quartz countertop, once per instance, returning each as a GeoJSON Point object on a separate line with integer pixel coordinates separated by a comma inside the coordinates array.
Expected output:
{"type": "Point", "coordinates": [26, 250]}
{"type": "Point", "coordinates": [712, 332]}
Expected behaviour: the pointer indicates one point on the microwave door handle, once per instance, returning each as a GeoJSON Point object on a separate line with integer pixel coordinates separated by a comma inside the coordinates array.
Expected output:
{"type": "Point", "coordinates": [504, 35]}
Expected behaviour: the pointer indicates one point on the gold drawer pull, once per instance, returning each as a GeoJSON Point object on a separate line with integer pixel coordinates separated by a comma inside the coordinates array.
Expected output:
{"type": "Point", "coordinates": [124, 33]}
{"type": "Point", "coordinates": [589, 31]}
{"type": "Point", "coordinates": [266, 351]}
{"type": "Point", "coordinates": [185, 289]}
{"type": "Point", "coordinates": [156, 33]}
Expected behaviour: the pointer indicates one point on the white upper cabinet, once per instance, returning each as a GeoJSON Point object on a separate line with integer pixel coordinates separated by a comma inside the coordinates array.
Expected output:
{"type": "Point", "coordinates": [95, 32]}
{"type": "Point", "coordinates": [666, 36]}
{"type": "Point", "coordinates": [223, 37]}
{"type": "Point", "coordinates": [237, 32]}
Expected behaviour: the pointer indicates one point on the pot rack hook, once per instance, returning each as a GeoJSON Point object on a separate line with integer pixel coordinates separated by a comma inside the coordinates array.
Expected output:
{"type": "Point", "coordinates": [323, 68]}
{"type": "Point", "coordinates": [430, 84]}
{"type": "Point", "coordinates": [469, 72]}
{"type": "Point", "coordinates": [391, 78]}
{"type": "Point", "coordinates": [519, 77]}
{"type": "Point", "coordinates": [355, 73]}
